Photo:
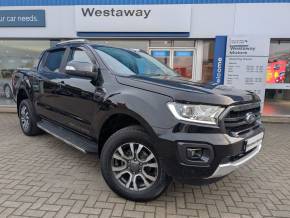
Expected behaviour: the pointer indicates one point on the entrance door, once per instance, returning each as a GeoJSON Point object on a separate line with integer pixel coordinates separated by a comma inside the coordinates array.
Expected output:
{"type": "Point", "coordinates": [182, 60]}
{"type": "Point", "coordinates": [162, 55]}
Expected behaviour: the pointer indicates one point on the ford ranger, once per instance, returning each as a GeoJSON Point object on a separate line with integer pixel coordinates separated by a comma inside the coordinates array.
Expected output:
{"type": "Point", "coordinates": [146, 123]}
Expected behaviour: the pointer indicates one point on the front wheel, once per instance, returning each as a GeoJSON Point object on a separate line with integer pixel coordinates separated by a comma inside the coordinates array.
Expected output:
{"type": "Point", "coordinates": [131, 167]}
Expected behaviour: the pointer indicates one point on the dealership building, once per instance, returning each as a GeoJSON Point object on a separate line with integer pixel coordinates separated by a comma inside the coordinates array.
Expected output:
{"type": "Point", "coordinates": [242, 43]}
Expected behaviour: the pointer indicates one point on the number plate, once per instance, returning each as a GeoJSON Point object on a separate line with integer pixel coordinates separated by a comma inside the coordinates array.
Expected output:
{"type": "Point", "coordinates": [254, 141]}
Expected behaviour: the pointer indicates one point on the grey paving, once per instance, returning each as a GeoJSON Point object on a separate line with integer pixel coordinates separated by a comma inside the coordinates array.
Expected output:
{"type": "Point", "coordinates": [43, 177]}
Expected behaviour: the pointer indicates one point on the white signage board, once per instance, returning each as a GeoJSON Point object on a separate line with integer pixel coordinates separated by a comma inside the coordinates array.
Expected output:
{"type": "Point", "coordinates": [246, 63]}
{"type": "Point", "coordinates": [133, 18]}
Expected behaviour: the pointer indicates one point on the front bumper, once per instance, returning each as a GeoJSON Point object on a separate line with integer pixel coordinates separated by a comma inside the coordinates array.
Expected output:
{"type": "Point", "coordinates": [225, 169]}
{"type": "Point", "coordinates": [228, 153]}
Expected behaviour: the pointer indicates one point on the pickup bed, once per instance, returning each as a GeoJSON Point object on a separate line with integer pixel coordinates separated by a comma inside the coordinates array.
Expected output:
{"type": "Point", "coordinates": [146, 123]}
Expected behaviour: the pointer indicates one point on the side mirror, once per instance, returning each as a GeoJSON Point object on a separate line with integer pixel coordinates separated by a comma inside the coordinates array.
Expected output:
{"type": "Point", "coordinates": [81, 69]}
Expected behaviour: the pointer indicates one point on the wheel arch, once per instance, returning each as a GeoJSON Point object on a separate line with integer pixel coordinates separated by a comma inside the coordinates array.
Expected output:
{"type": "Point", "coordinates": [117, 121]}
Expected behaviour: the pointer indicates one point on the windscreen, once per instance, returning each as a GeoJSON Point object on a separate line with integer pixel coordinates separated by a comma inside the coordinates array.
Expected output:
{"type": "Point", "coordinates": [126, 62]}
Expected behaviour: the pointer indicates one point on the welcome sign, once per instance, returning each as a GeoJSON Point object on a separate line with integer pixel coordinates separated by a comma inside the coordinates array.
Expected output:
{"type": "Point", "coordinates": [133, 18]}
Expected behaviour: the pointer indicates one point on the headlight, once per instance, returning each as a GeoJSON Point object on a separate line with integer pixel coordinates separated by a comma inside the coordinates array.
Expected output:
{"type": "Point", "coordinates": [205, 114]}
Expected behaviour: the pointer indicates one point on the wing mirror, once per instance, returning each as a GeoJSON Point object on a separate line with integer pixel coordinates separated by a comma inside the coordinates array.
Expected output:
{"type": "Point", "coordinates": [82, 69]}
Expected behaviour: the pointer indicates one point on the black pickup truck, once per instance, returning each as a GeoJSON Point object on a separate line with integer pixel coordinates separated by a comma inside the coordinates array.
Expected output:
{"type": "Point", "coordinates": [147, 124]}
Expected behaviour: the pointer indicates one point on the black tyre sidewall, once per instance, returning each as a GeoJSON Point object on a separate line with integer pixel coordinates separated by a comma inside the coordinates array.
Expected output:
{"type": "Point", "coordinates": [33, 129]}
{"type": "Point", "coordinates": [131, 134]}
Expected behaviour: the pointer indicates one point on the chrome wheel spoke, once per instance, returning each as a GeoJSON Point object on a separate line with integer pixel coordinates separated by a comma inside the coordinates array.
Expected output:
{"type": "Point", "coordinates": [135, 187]}
{"type": "Point", "coordinates": [151, 165]}
{"type": "Point", "coordinates": [123, 155]}
{"type": "Point", "coordinates": [130, 180]}
{"type": "Point", "coordinates": [132, 150]}
{"type": "Point", "coordinates": [150, 157]}
{"type": "Point", "coordinates": [147, 176]}
{"type": "Point", "coordinates": [146, 183]}
{"type": "Point", "coordinates": [120, 168]}
{"type": "Point", "coordinates": [120, 174]}
{"type": "Point", "coordinates": [118, 157]}
{"type": "Point", "coordinates": [140, 147]}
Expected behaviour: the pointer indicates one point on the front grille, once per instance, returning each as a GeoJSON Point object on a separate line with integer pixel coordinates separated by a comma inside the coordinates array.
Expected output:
{"type": "Point", "coordinates": [235, 120]}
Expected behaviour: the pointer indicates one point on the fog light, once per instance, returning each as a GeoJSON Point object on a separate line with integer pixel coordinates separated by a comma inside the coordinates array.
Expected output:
{"type": "Point", "coordinates": [198, 154]}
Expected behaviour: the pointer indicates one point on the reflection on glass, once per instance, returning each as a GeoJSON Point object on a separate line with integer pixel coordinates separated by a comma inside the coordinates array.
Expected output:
{"type": "Point", "coordinates": [207, 60]}
{"type": "Point", "coordinates": [277, 96]}
{"type": "Point", "coordinates": [162, 55]}
{"type": "Point", "coordinates": [182, 63]}
{"type": "Point", "coordinates": [16, 54]}
{"type": "Point", "coordinates": [277, 102]}
{"type": "Point", "coordinates": [136, 44]}
{"type": "Point", "coordinates": [278, 70]}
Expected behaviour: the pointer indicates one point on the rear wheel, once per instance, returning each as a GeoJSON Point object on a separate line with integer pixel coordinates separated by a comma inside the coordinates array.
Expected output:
{"type": "Point", "coordinates": [131, 167]}
{"type": "Point", "coordinates": [28, 118]}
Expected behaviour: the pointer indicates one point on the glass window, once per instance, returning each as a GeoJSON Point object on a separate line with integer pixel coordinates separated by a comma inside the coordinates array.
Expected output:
{"type": "Point", "coordinates": [207, 61]}
{"type": "Point", "coordinates": [277, 102]}
{"type": "Point", "coordinates": [162, 55]}
{"type": "Point", "coordinates": [79, 55]}
{"type": "Point", "coordinates": [126, 62]}
{"type": "Point", "coordinates": [17, 54]}
{"type": "Point", "coordinates": [183, 62]}
{"type": "Point", "coordinates": [278, 70]}
{"type": "Point", "coordinates": [277, 95]}
{"type": "Point", "coordinates": [53, 60]}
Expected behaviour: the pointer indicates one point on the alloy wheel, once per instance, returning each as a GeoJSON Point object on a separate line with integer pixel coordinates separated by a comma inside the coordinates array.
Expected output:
{"type": "Point", "coordinates": [135, 166]}
{"type": "Point", "coordinates": [24, 117]}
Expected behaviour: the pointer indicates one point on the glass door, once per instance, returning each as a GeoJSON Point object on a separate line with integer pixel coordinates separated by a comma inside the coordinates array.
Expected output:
{"type": "Point", "coordinates": [162, 55]}
{"type": "Point", "coordinates": [181, 60]}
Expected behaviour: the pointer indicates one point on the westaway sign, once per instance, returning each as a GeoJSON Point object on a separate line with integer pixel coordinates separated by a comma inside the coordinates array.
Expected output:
{"type": "Point", "coordinates": [112, 12]}
{"type": "Point", "coordinates": [133, 18]}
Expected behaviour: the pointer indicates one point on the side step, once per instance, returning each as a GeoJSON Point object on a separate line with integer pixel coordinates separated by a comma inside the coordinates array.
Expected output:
{"type": "Point", "coordinates": [75, 140]}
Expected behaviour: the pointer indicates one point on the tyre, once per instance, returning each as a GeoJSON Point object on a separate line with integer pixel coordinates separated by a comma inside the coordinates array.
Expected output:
{"type": "Point", "coordinates": [7, 92]}
{"type": "Point", "coordinates": [28, 118]}
{"type": "Point", "coordinates": [131, 167]}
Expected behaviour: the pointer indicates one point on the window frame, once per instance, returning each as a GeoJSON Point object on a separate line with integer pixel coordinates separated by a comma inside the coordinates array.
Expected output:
{"type": "Point", "coordinates": [87, 51]}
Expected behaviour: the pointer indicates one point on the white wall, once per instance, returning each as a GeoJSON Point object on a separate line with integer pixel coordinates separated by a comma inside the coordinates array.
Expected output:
{"type": "Point", "coordinates": [207, 21]}
{"type": "Point", "coordinates": [263, 19]}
